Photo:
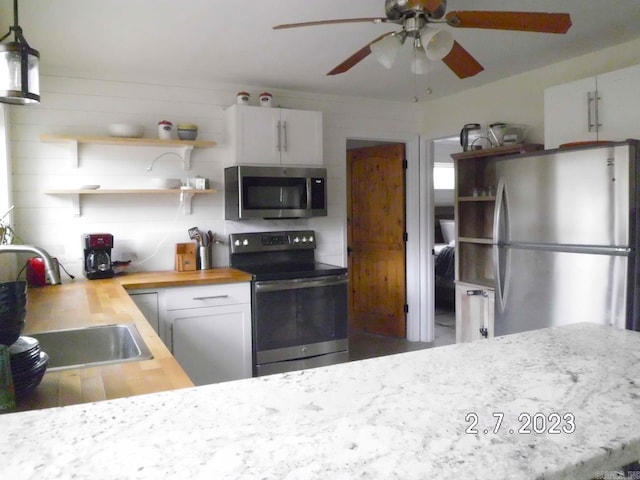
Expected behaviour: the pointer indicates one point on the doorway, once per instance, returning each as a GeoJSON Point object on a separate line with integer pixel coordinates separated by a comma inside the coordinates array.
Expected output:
{"type": "Point", "coordinates": [376, 236]}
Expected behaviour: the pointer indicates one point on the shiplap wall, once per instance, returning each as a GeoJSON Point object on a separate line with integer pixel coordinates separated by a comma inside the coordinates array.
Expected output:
{"type": "Point", "coordinates": [147, 227]}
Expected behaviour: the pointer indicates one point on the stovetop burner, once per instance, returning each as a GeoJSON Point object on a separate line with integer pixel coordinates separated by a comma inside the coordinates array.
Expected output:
{"type": "Point", "coordinates": [278, 255]}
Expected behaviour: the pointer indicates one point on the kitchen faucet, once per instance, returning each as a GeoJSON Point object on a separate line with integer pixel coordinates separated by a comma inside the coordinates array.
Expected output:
{"type": "Point", "coordinates": [52, 273]}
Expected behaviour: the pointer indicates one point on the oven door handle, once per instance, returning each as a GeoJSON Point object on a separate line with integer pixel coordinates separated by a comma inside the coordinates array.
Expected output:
{"type": "Point", "coordinates": [298, 283]}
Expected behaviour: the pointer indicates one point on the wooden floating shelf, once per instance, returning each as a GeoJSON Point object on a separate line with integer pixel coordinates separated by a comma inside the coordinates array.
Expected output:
{"type": "Point", "coordinates": [480, 241]}
{"type": "Point", "coordinates": [73, 141]}
{"type": "Point", "coordinates": [149, 142]}
{"type": "Point", "coordinates": [498, 151]}
{"type": "Point", "coordinates": [481, 198]}
{"type": "Point", "coordinates": [484, 282]}
{"type": "Point", "coordinates": [115, 191]}
{"type": "Point", "coordinates": [187, 195]}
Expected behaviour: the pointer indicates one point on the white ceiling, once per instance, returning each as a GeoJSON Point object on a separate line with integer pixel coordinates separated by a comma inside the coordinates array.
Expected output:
{"type": "Point", "coordinates": [224, 41]}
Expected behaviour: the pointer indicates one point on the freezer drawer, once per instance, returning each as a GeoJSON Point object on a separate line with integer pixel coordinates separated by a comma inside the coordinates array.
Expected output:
{"type": "Point", "coordinates": [539, 288]}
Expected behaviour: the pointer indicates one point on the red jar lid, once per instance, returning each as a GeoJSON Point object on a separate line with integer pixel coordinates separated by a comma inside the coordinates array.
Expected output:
{"type": "Point", "coordinates": [266, 94]}
{"type": "Point", "coordinates": [244, 93]}
{"type": "Point", "coordinates": [165, 122]}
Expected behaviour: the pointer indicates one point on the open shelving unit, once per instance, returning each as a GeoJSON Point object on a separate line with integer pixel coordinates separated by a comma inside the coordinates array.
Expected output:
{"type": "Point", "coordinates": [75, 195]}
{"type": "Point", "coordinates": [185, 146]}
{"type": "Point", "coordinates": [475, 173]}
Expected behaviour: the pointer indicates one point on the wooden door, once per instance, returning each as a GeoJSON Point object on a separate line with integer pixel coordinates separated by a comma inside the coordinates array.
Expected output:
{"type": "Point", "coordinates": [376, 237]}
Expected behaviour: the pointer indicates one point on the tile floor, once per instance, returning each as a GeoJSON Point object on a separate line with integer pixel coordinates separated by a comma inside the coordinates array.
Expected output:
{"type": "Point", "coordinates": [366, 345]}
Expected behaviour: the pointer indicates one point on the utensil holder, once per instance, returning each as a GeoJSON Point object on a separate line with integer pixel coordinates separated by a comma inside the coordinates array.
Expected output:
{"type": "Point", "coordinates": [204, 257]}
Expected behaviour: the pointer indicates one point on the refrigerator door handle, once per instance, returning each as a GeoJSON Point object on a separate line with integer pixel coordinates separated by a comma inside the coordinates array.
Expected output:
{"type": "Point", "coordinates": [500, 229]}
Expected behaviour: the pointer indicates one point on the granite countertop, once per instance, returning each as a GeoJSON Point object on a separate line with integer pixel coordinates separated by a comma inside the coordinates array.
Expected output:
{"type": "Point", "coordinates": [402, 416]}
{"type": "Point", "coordinates": [83, 303]}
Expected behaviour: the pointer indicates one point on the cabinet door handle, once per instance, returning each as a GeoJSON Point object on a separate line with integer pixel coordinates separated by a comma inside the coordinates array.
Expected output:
{"type": "Point", "coordinates": [596, 101]}
{"type": "Point", "coordinates": [593, 118]}
{"type": "Point", "coordinates": [590, 101]}
{"type": "Point", "coordinates": [211, 297]}
{"type": "Point", "coordinates": [284, 130]}
{"type": "Point", "coordinates": [472, 293]}
{"type": "Point", "coordinates": [171, 337]}
{"type": "Point", "coordinates": [278, 144]}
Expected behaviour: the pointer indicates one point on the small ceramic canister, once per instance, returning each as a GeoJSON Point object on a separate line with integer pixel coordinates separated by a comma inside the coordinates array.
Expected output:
{"type": "Point", "coordinates": [265, 99]}
{"type": "Point", "coordinates": [165, 127]}
{"type": "Point", "coordinates": [242, 98]}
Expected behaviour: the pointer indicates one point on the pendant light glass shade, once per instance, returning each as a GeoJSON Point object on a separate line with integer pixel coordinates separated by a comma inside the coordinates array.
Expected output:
{"type": "Point", "coordinates": [19, 68]}
{"type": "Point", "coordinates": [386, 49]}
{"type": "Point", "coordinates": [420, 62]}
{"type": "Point", "coordinates": [437, 43]}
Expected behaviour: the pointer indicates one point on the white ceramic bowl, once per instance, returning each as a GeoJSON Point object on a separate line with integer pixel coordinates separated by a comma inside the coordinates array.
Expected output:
{"type": "Point", "coordinates": [126, 130]}
{"type": "Point", "coordinates": [168, 183]}
{"type": "Point", "coordinates": [187, 131]}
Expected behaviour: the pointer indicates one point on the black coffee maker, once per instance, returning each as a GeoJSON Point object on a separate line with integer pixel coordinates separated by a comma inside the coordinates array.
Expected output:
{"type": "Point", "coordinates": [97, 255]}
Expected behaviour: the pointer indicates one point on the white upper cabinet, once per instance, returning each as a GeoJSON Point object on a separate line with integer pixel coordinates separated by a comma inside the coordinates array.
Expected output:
{"type": "Point", "coordinates": [603, 107]}
{"type": "Point", "coordinates": [273, 136]}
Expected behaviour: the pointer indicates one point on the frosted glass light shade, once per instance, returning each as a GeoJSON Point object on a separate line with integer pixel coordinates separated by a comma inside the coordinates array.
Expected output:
{"type": "Point", "coordinates": [18, 85]}
{"type": "Point", "coordinates": [437, 43]}
{"type": "Point", "coordinates": [419, 62]}
{"type": "Point", "coordinates": [386, 49]}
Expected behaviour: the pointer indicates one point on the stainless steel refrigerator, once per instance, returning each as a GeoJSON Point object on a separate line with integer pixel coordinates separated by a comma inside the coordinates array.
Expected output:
{"type": "Point", "coordinates": [565, 238]}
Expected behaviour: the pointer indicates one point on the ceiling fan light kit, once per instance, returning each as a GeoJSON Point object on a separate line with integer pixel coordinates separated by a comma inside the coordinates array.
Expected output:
{"type": "Point", "coordinates": [420, 62]}
{"type": "Point", "coordinates": [386, 49]}
{"type": "Point", "coordinates": [19, 68]}
{"type": "Point", "coordinates": [414, 16]}
{"type": "Point", "coordinates": [437, 43]}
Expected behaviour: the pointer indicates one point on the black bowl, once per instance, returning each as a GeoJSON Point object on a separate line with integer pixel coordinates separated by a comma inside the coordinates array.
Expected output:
{"type": "Point", "coordinates": [13, 288]}
{"type": "Point", "coordinates": [10, 333]}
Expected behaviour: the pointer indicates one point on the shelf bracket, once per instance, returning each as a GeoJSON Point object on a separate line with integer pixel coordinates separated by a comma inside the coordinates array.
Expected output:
{"type": "Point", "coordinates": [73, 154]}
{"type": "Point", "coordinates": [75, 204]}
{"type": "Point", "coordinates": [186, 197]}
{"type": "Point", "coordinates": [186, 157]}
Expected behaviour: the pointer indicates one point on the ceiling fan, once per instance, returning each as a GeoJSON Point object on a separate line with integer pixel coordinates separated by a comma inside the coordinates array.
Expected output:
{"type": "Point", "coordinates": [416, 18]}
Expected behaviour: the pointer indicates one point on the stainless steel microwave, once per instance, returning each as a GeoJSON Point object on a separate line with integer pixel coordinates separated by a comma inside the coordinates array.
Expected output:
{"type": "Point", "coordinates": [274, 192]}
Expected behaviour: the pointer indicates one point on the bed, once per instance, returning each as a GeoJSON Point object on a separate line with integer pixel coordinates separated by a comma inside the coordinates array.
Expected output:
{"type": "Point", "coordinates": [445, 266]}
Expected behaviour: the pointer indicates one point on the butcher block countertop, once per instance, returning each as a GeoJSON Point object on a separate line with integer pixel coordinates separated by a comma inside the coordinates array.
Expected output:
{"type": "Point", "coordinates": [82, 303]}
{"type": "Point", "coordinates": [558, 403]}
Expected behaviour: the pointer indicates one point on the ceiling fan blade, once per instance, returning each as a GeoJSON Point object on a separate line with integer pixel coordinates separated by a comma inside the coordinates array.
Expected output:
{"type": "Point", "coordinates": [332, 22]}
{"type": "Point", "coordinates": [462, 62]}
{"type": "Point", "coordinates": [356, 57]}
{"type": "Point", "coordinates": [520, 21]}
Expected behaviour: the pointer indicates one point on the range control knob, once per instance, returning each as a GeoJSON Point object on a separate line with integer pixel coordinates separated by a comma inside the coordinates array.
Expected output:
{"type": "Point", "coordinates": [296, 240]}
{"type": "Point", "coordinates": [245, 242]}
{"type": "Point", "coordinates": [311, 239]}
{"type": "Point", "coordinates": [304, 239]}
{"type": "Point", "coordinates": [237, 243]}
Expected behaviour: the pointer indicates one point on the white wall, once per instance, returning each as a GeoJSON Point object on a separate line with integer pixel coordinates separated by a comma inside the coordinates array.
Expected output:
{"type": "Point", "coordinates": [519, 99]}
{"type": "Point", "coordinates": [144, 224]}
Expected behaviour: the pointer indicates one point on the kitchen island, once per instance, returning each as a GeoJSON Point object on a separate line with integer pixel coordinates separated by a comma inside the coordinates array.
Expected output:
{"type": "Point", "coordinates": [83, 303]}
{"type": "Point", "coordinates": [428, 414]}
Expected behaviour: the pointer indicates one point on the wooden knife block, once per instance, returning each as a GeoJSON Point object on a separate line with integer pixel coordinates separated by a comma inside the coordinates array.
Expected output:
{"type": "Point", "coordinates": [185, 257]}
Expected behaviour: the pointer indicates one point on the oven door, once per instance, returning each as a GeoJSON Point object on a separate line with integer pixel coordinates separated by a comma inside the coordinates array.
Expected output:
{"type": "Point", "coordinates": [299, 318]}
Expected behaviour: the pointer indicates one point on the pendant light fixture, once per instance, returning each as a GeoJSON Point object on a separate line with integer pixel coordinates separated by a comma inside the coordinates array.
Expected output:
{"type": "Point", "coordinates": [19, 68]}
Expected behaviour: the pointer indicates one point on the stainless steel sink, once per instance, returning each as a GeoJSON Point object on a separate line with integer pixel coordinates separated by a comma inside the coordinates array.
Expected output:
{"type": "Point", "coordinates": [92, 346]}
